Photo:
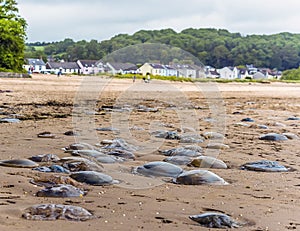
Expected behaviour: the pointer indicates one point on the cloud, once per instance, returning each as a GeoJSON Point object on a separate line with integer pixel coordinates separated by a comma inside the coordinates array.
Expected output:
{"type": "Point", "coordinates": [52, 20]}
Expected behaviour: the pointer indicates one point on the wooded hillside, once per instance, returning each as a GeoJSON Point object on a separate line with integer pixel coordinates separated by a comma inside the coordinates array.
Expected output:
{"type": "Point", "coordinates": [212, 47]}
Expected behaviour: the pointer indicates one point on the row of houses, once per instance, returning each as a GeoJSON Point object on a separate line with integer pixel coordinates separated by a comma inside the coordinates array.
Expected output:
{"type": "Point", "coordinates": [85, 67]}
{"type": "Point", "coordinates": [93, 67]}
{"type": "Point", "coordinates": [82, 67]}
{"type": "Point", "coordinates": [242, 73]}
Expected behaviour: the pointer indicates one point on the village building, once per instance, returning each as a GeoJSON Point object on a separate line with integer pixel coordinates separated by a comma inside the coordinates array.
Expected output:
{"type": "Point", "coordinates": [153, 69]}
{"type": "Point", "coordinates": [243, 73]}
{"type": "Point", "coordinates": [62, 67]}
{"type": "Point", "coordinates": [185, 70]}
{"type": "Point", "coordinates": [35, 66]}
{"type": "Point", "coordinates": [121, 68]}
{"type": "Point", "coordinates": [212, 74]}
{"type": "Point", "coordinates": [170, 71]}
{"type": "Point", "coordinates": [260, 75]}
{"type": "Point", "coordinates": [88, 67]}
{"type": "Point", "coordinates": [228, 73]}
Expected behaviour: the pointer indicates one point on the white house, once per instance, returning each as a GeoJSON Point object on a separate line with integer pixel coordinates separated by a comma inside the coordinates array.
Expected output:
{"type": "Point", "coordinates": [213, 74]}
{"type": "Point", "coordinates": [63, 67]}
{"type": "Point", "coordinates": [88, 67]}
{"type": "Point", "coordinates": [251, 69]}
{"type": "Point", "coordinates": [228, 73]}
{"type": "Point", "coordinates": [185, 70]}
{"type": "Point", "coordinates": [170, 71]}
{"type": "Point", "coordinates": [153, 69]}
{"type": "Point", "coordinates": [35, 66]}
{"type": "Point", "coordinates": [260, 75]}
{"type": "Point", "coordinates": [121, 68]}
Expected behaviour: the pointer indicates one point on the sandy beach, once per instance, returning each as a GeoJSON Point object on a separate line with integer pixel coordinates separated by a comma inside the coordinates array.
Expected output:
{"type": "Point", "coordinates": [46, 103]}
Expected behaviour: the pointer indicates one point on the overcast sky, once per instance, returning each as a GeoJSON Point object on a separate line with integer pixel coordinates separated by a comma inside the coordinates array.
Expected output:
{"type": "Point", "coordinates": [55, 20]}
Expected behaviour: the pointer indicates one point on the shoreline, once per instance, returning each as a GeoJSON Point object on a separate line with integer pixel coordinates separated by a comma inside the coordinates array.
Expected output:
{"type": "Point", "coordinates": [269, 200]}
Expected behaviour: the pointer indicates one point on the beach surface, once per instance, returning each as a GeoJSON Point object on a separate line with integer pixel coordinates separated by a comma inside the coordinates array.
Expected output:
{"type": "Point", "coordinates": [46, 103]}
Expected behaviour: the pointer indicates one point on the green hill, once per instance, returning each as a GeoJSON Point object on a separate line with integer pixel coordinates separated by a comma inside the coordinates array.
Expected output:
{"type": "Point", "coordinates": [214, 47]}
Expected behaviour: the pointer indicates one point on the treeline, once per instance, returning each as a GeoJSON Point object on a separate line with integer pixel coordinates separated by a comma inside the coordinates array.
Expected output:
{"type": "Point", "coordinates": [214, 47]}
{"type": "Point", "coordinates": [12, 37]}
{"type": "Point", "coordinates": [293, 74]}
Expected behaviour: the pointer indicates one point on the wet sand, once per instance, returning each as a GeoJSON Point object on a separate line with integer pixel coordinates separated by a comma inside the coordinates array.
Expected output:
{"type": "Point", "coordinates": [268, 201]}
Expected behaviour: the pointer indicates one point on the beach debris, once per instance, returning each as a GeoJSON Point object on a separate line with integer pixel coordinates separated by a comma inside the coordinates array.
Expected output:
{"type": "Point", "coordinates": [191, 138]}
{"type": "Point", "coordinates": [45, 158]}
{"type": "Point", "coordinates": [6, 91]}
{"type": "Point", "coordinates": [238, 112]}
{"type": "Point", "coordinates": [9, 120]}
{"type": "Point", "coordinates": [240, 124]}
{"type": "Point", "coordinates": [107, 159]}
{"type": "Point", "coordinates": [87, 153]}
{"type": "Point", "coordinates": [213, 135]}
{"type": "Point", "coordinates": [79, 146]}
{"type": "Point", "coordinates": [187, 129]}
{"type": "Point", "coordinates": [46, 135]}
{"type": "Point", "coordinates": [217, 146]}
{"type": "Point", "coordinates": [199, 177]}
{"type": "Point", "coordinates": [258, 126]}
{"type": "Point", "coordinates": [121, 153]}
{"type": "Point", "coordinates": [178, 160]}
{"type": "Point", "coordinates": [52, 168]}
{"type": "Point", "coordinates": [42, 169]}
{"type": "Point", "coordinates": [107, 129]}
{"type": "Point", "coordinates": [215, 220]}
{"type": "Point", "coordinates": [208, 162]}
{"type": "Point", "coordinates": [50, 212]}
{"type": "Point", "coordinates": [19, 163]}
{"type": "Point", "coordinates": [71, 133]}
{"type": "Point", "coordinates": [209, 120]}
{"type": "Point", "coordinates": [136, 128]}
{"type": "Point", "coordinates": [247, 120]}
{"type": "Point", "coordinates": [120, 144]}
{"type": "Point", "coordinates": [181, 151]}
{"type": "Point", "coordinates": [60, 190]}
{"type": "Point", "coordinates": [169, 135]}
{"type": "Point", "coordinates": [75, 164]}
{"type": "Point", "coordinates": [193, 147]}
{"type": "Point", "coordinates": [93, 178]}
{"type": "Point", "coordinates": [142, 108]}
{"type": "Point", "coordinates": [291, 136]}
{"type": "Point", "coordinates": [264, 166]}
{"type": "Point", "coordinates": [277, 124]}
{"type": "Point", "coordinates": [262, 126]}
{"type": "Point", "coordinates": [293, 118]}
{"type": "Point", "coordinates": [273, 137]}
{"type": "Point", "coordinates": [51, 180]}
{"type": "Point", "coordinates": [159, 169]}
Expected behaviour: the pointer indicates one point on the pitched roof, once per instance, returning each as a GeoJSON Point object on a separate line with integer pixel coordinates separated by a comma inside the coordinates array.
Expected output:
{"type": "Point", "coordinates": [242, 71]}
{"type": "Point", "coordinates": [36, 62]}
{"type": "Point", "coordinates": [88, 63]}
{"type": "Point", "coordinates": [185, 67]}
{"type": "Point", "coordinates": [214, 72]}
{"type": "Point", "coordinates": [124, 66]}
{"type": "Point", "coordinates": [169, 67]}
{"type": "Point", "coordinates": [64, 65]}
{"type": "Point", "coordinates": [156, 66]}
{"type": "Point", "coordinates": [259, 75]}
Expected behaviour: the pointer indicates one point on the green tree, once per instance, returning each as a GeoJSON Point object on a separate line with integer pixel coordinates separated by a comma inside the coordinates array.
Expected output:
{"type": "Point", "coordinates": [221, 56]}
{"type": "Point", "coordinates": [211, 46]}
{"type": "Point", "coordinates": [12, 37]}
{"type": "Point", "coordinates": [293, 74]}
{"type": "Point", "coordinates": [31, 52]}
